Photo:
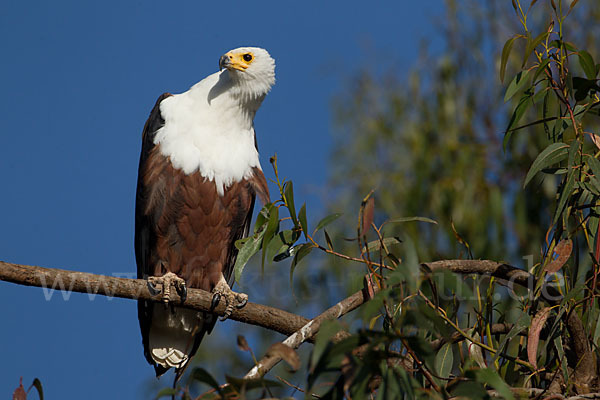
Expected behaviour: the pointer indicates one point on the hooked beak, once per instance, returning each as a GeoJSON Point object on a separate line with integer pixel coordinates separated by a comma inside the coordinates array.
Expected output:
{"type": "Point", "coordinates": [225, 61]}
{"type": "Point", "coordinates": [230, 62]}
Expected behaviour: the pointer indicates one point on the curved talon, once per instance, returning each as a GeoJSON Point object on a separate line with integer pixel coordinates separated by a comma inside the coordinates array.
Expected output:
{"type": "Point", "coordinates": [152, 289]}
{"type": "Point", "coordinates": [182, 292]}
{"type": "Point", "coordinates": [165, 282]}
{"type": "Point", "coordinates": [215, 301]}
{"type": "Point", "coordinates": [232, 299]}
{"type": "Point", "coordinates": [242, 302]}
{"type": "Point", "coordinates": [227, 313]}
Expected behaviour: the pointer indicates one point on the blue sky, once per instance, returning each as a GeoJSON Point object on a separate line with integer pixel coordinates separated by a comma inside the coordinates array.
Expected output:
{"type": "Point", "coordinates": [79, 79]}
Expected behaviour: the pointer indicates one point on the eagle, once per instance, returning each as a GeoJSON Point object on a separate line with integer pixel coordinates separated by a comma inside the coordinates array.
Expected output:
{"type": "Point", "coordinates": [199, 175]}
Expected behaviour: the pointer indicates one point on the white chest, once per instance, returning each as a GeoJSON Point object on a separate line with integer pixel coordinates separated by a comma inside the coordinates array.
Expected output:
{"type": "Point", "coordinates": [215, 138]}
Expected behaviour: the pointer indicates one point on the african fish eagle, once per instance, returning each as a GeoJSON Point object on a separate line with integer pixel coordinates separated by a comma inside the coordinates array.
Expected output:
{"type": "Point", "coordinates": [199, 175]}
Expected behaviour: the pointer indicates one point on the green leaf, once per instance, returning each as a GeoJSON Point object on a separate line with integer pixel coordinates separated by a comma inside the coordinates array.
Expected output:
{"type": "Point", "coordinates": [288, 194]}
{"type": "Point", "coordinates": [331, 358]}
{"type": "Point", "coordinates": [251, 247]}
{"type": "Point", "coordinates": [553, 154]}
{"type": "Point", "coordinates": [569, 82]}
{"type": "Point", "coordinates": [491, 377]}
{"type": "Point", "coordinates": [410, 219]}
{"type": "Point", "coordinates": [519, 82]}
{"type": "Point", "coordinates": [540, 69]}
{"type": "Point", "coordinates": [270, 231]}
{"type": "Point", "coordinates": [302, 219]}
{"type": "Point", "coordinates": [241, 242]}
{"type": "Point", "coordinates": [299, 253]}
{"type": "Point", "coordinates": [582, 87]}
{"type": "Point", "coordinates": [469, 390]}
{"type": "Point", "coordinates": [326, 331]}
{"type": "Point", "coordinates": [559, 128]}
{"type": "Point", "coordinates": [573, 148]}
{"type": "Point", "coordinates": [561, 354]}
{"type": "Point", "coordinates": [532, 44]}
{"type": "Point", "coordinates": [505, 54]}
{"type": "Point", "coordinates": [289, 236]}
{"type": "Point", "coordinates": [522, 323]}
{"type": "Point", "coordinates": [262, 218]}
{"type": "Point", "coordinates": [558, 44]}
{"type": "Point", "coordinates": [587, 64]}
{"type": "Point", "coordinates": [565, 194]}
{"type": "Point", "coordinates": [444, 360]}
{"type": "Point", "coordinates": [375, 245]}
{"type": "Point", "coordinates": [523, 105]}
{"type": "Point", "coordinates": [201, 375]}
{"type": "Point", "coordinates": [166, 392]}
{"type": "Point", "coordinates": [326, 221]}
{"type": "Point", "coordinates": [276, 246]}
{"type": "Point", "coordinates": [569, 184]}
{"type": "Point", "coordinates": [594, 165]}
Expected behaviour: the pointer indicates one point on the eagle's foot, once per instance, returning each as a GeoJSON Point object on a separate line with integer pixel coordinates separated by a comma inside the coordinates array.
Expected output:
{"type": "Point", "coordinates": [232, 299]}
{"type": "Point", "coordinates": [164, 283]}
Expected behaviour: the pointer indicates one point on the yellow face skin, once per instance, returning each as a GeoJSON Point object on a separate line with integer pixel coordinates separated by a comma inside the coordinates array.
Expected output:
{"type": "Point", "coordinates": [239, 61]}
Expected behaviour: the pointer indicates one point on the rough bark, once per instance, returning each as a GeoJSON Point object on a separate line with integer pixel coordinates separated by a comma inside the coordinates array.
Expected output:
{"type": "Point", "coordinates": [256, 314]}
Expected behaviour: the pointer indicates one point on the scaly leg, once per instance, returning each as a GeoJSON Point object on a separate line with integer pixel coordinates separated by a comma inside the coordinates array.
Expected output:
{"type": "Point", "coordinates": [164, 283]}
{"type": "Point", "coordinates": [232, 299]}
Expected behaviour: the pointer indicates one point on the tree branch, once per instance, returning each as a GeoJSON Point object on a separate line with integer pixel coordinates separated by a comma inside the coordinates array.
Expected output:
{"type": "Point", "coordinates": [309, 330]}
{"type": "Point", "coordinates": [255, 314]}
{"type": "Point", "coordinates": [299, 329]}
{"type": "Point", "coordinates": [50, 278]}
{"type": "Point", "coordinates": [504, 272]}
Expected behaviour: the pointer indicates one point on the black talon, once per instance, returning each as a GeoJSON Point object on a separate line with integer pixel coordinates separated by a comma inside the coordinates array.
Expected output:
{"type": "Point", "coordinates": [182, 292]}
{"type": "Point", "coordinates": [242, 303]}
{"type": "Point", "coordinates": [223, 317]}
{"type": "Point", "coordinates": [215, 301]}
{"type": "Point", "coordinates": [152, 289]}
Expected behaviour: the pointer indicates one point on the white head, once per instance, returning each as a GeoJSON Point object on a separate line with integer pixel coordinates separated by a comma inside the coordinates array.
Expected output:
{"type": "Point", "coordinates": [252, 68]}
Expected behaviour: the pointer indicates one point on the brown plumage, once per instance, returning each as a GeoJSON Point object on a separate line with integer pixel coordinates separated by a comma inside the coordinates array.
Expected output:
{"type": "Point", "coordinates": [183, 225]}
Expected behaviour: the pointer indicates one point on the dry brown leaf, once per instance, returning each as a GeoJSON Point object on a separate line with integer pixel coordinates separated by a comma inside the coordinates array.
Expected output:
{"type": "Point", "coordinates": [563, 250]}
{"type": "Point", "coordinates": [533, 337]}
{"type": "Point", "coordinates": [368, 284]}
{"type": "Point", "coordinates": [368, 212]}
{"type": "Point", "coordinates": [242, 343]}
{"type": "Point", "coordinates": [20, 393]}
{"type": "Point", "coordinates": [286, 353]}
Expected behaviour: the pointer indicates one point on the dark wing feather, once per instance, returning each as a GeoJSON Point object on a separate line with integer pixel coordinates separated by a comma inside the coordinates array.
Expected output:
{"type": "Point", "coordinates": [142, 229]}
{"type": "Point", "coordinates": [143, 240]}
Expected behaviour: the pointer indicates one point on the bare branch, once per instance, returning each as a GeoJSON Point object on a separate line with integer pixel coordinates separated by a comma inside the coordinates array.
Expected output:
{"type": "Point", "coordinates": [504, 272]}
{"type": "Point", "coordinates": [255, 314]}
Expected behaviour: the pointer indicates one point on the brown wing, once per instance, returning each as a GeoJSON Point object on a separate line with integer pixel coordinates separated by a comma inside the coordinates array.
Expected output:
{"type": "Point", "coordinates": [184, 226]}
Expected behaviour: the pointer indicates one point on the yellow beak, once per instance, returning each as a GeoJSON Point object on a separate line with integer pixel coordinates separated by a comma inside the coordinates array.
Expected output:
{"type": "Point", "coordinates": [232, 61]}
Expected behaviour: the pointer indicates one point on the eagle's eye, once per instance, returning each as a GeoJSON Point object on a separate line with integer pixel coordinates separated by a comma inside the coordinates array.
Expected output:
{"type": "Point", "coordinates": [247, 57]}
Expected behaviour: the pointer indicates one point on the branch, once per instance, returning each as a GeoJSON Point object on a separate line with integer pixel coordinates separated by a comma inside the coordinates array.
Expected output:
{"type": "Point", "coordinates": [49, 278]}
{"type": "Point", "coordinates": [310, 330]}
{"type": "Point", "coordinates": [482, 267]}
{"type": "Point", "coordinates": [501, 271]}
{"type": "Point", "coordinates": [254, 314]}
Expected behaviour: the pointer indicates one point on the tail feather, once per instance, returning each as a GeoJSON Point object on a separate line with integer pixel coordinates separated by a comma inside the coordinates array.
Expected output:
{"type": "Point", "coordinates": [173, 335]}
